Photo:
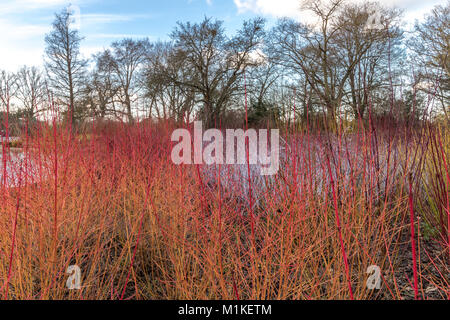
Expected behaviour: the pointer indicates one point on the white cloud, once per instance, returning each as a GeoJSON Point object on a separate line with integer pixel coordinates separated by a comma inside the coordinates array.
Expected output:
{"type": "Point", "coordinates": [414, 9]}
{"type": "Point", "coordinates": [19, 45]}
{"type": "Point", "coordinates": [208, 2]}
{"type": "Point", "coordinates": [23, 42]}
{"type": "Point", "coordinates": [107, 18]}
{"type": "Point", "coordinates": [277, 8]}
{"type": "Point", "coordinates": [20, 31]}
{"type": "Point", "coordinates": [18, 6]}
{"type": "Point", "coordinates": [13, 57]}
{"type": "Point", "coordinates": [87, 51]}
{"type": "Point", "coordinates": [117, 36]}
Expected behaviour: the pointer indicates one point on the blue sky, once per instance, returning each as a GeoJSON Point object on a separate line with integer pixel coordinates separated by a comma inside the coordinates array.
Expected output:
{"type": "Point", "coordinates": [24, 23]}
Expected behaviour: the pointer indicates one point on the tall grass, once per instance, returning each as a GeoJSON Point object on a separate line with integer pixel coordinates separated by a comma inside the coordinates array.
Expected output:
{"type": "Point", "coordinates": [111, 201]}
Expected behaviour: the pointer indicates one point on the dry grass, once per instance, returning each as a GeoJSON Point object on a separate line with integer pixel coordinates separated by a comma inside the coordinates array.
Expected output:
{"type": "Point", "coordinates": [140, 227]}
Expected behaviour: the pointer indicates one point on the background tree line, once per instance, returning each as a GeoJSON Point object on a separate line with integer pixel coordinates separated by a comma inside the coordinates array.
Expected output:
{"type": "Point", "coordinates": [356, 61]}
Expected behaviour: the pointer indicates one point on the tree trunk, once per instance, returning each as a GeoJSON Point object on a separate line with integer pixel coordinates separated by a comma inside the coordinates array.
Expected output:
{"type": "Point", "coordinates": [128, 105]}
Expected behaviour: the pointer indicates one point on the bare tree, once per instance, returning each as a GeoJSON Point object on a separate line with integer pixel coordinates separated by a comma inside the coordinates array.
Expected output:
{"type": "Point", "coordinates": [431, 45]}
{"type": "Point", "coordinates": [262, 81]}
{"type": "Point", "coordinates": [64, 64]}
{"type": "Point", "coordinates": [125, 61]}
{"type": "Point", "coordinates": [8, 90]}
{"type": "Point", "coordinates": [375, 67]}
{"type": "Point", "coordinates": [217, 63]}
{"type": "Point", "coordinates": [263, 77]}
{"type": "Point", "coordinates": [32, 91]}
{"type": "Point", "coordinates": [315, 51]}
{"type": "Point", "coordinates": [102, 87]}
{"type": "Point", "coordinates": [167, 99]}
